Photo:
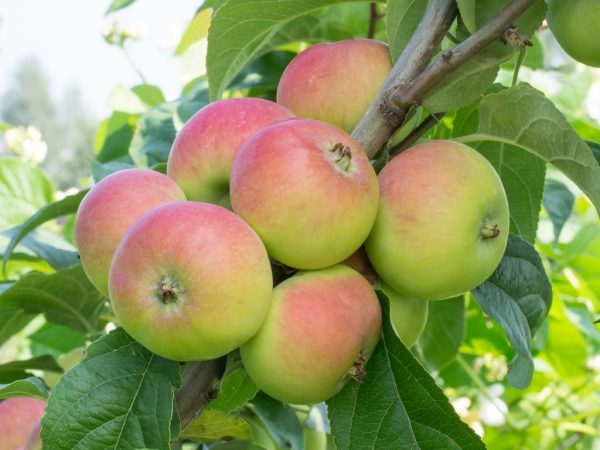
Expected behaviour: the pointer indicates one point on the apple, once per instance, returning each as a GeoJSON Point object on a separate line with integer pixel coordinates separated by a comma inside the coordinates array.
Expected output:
{"type": "Point", "coordinates": [576, 26]}
{"type": "Point", "coordinates": [203, 152]}
{"type": "Point", "coordinates": [34, 441]}
{"type": "Point", "coordinates": [408, 315]}
{"type": "Point", "coordinates": [19, 416]}
{"type": "Point", "coordinates": [190, 281]}
{"type": "Point", "coordinates": [321, 329]}
{"type": "Point", "coordinates": [443, 221]}
{"type": "Point", "coordinates": [335, 83]}
{"type": "Point", "coordinates": [308, 190]}
{"type": "Point", "coordinates": [109, 208]}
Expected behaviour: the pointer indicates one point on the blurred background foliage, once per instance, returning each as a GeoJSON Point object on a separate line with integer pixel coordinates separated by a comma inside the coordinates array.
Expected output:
{"type": "Point", "coordinates": [53, 148]}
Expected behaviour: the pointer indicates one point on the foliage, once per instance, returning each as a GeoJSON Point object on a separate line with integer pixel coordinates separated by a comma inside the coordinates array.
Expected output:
{"type": "Point", "coordinates": [517, 359]}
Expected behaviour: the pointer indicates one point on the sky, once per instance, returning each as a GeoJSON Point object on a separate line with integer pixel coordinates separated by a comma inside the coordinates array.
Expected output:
{"type": "Point", "coordinates": [66, 37]}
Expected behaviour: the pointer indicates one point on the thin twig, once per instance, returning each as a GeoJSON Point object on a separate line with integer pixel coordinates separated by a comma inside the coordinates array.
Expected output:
{"type": "Point", "coordinates": [431, 121]}
{"type": "Point", "coordinates": [375, 16]}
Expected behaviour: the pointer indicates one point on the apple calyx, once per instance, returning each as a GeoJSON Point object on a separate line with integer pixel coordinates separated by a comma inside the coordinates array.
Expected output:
{"type": "Point", "coordinates": [169, 290]}
{"type": "Point", "coordinates": [489, 230]}
{"type": "Point", "coordinates": [357, 372]}
{"type": "Point", "coordinates": [342, 156]}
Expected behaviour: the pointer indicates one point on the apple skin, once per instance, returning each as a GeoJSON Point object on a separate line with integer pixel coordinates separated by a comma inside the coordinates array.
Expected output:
{"type": "Point", "coordinates": [190, 281]}
{"type": "Point", "coordinates": [438, 200]}
{"type": "Point", "coordinates": [320, 324]}
{"type": "Point", "coordinates": [335, 83]}
{"type": "Point", "coordinates": [109, 208]}
{"type": "Point", "coordinates": [19, 416]}
{"type": "Point", "coordinates": [408, 315]}
{"type": "Point", "coordinates": [576, 26]}
{"type": "Point", "coordinates": [310, 211]}
{"type": "Point", "coordinates": [203, 152]}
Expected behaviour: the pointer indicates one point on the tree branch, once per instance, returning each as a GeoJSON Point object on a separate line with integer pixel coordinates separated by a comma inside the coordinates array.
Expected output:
{"type": "Point", "coordinates": [431, 121]}
{"type": "Point", "coordinates": [376, 127]}
{"type": "Point", "coordinates": [413, 93]}
{"type": "Point", "coordinates": [197, 388]}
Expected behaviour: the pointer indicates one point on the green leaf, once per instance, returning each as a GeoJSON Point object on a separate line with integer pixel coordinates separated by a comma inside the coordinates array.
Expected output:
{"type": "Point", "coordinates": [402, 19]}
{"type": "Point", "coordinates": [100, 170]}
{"type": "Point", "coordinates": [518, 296]}
{"type": "Point", "coordinates": [280, 420]}
{"type": "Point", "coordinates": [522, 117]}
{"type": "Point", "coordinates": [5, 126]}
{"type": "Point", "coordinates": [444, 332]}
{"type": "Point", "coordinates": [12, 320]}
{"type": "Point", "coordinates": [118, 4]}
{"type": "Point", "coordinates": [558, 201]}
{"type": "Point", "coordinates": [28, 387]}
{"type": "Point", "coordinates": [236, 390]}
{"type": "Point", "coordinates": [154, 135]}
{"type": "Point", "coordinates": [234, 38]}
{"type": "Point", "coordinates": [565, 347]}
{"type": "Point", "coordinates": [50, 247]}
{"type": "Point", "coordinates": [236, 445]}
{"type": "Point", "coordinates": [398, 405]}
{"type": "Point", "coordinates": [213, 425]}
{"type": "Point", "coordinates": [120, 396]}
{"type": "Point", "coordinates": [196, 30]}
{"type": "Point", "coordinates": [16, 370]}
{"type": "Point", "coordinates": [527, 23]}
{"type": "Point", "coordinates": [23, 190]}
{"type": "Point", "coordinates": [114, 136]}
{"type": "Point", "coordinates": [67, 205]}
{"type": "Point", "coordinates": [65, 297]}
{"type": "Point", "coordinates": [468, 9]}
{"type": "Point", "coordinates": [55, 340]}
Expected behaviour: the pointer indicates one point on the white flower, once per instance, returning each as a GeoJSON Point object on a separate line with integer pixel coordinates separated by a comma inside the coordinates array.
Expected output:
{"type": "Point", "coordinates": [493, 410]}
{"type": "Point", "coordinates": [26, 143]}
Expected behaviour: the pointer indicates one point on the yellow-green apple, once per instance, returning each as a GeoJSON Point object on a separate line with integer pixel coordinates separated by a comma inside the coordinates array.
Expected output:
{"type": "Point", "coordinates": [34, 441]}
{"type": "Point", "coordinates": [19, 416]}
{"type": "Point", "coordinates": [442, 224]}
{"type": "Point", "coordinates": [109, 209]}
{"type": "Point", "coordinates": [576, 26]}
{"type": "Point", "coordinates": [321, 329]}
{"type": "Point", "coordinates": [335, 83]}
{"type": "Point", "coordinates": [308, 190]}
{"type": "Point", "coordinates": [408, 315]}
{"type": "Point", "coordinates": [203, 152]}
{"type": "Point", "coordinates": [190, 281]}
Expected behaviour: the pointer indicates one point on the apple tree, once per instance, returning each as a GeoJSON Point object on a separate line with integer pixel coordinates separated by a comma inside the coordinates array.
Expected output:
{"type": "Point", "coordinates": [511, 363]}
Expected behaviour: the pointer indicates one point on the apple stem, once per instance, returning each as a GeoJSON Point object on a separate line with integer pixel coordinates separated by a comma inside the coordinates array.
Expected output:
{"type": "Point", "coordinates": [357, 371]}
{"type": "Point", "coordinates": [343, 156]}
{"type": "Point", "coordinates": [490, 231]}
{"type": "Point", "coordinates": [168, 291]}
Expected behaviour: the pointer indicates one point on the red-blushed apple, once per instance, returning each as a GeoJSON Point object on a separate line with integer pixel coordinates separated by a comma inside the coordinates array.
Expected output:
{"type": "Point", "coordinates": [321, 329]}
{"type": "Point", "coordinates": [110, 207]}
{"type": "Point", "coordinates": [443, 221]}
{"type": "Point", "coordinates": [203, 152]}
{"type": "Point", "coordinates": [34, 441]}
{"type": "Point", "coordinates": [18, 418]}
{"type": "Point", "coordinates": [308, 190]}
{"type": "Point", "coordinates": [335, 83]}
{"type": "Point", "coordinates": [408, 315]}
{"type": "Point", "coordinates": [190, 281]}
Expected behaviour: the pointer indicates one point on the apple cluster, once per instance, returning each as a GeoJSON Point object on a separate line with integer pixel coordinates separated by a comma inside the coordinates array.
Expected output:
{"type": "Point", "coordinates": [186, 258]}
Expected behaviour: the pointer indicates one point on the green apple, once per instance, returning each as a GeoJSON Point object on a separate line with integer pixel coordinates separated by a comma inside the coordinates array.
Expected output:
{"type": "Point", "coordinates": [190, 281]}
{"type": "Point", "coordinates": [321, 329]}
{"type": "Point", "coordinates": [408, 315]}
{"type": "Point", "coordinates": [576, 26]}
{"type": "Point", "coordinates": [336, 82]}
{"type": "Point", "coordinates": [308, 190]}
{"type": "Point", "coordinates": [443, 221]}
